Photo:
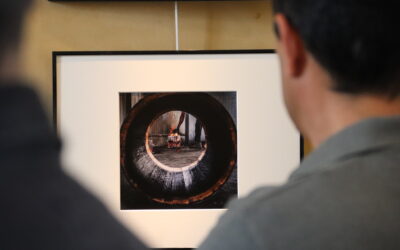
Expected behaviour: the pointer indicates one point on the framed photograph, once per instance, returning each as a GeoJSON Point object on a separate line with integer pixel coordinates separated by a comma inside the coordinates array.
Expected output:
{"type": "Point", "coordinates": [178, 150]}
{"type": "Point", "coordinates": [165, 139]}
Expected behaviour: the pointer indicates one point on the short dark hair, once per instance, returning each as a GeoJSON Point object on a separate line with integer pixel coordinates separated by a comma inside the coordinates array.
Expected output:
{"type": "Point", "coordinates": [356, 41]}
{"type": "Point", "coordinates": [12, 14]}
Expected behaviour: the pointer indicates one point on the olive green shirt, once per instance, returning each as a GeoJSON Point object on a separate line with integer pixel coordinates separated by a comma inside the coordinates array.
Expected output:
{"type": "Point", "coordinates": [345, 195]}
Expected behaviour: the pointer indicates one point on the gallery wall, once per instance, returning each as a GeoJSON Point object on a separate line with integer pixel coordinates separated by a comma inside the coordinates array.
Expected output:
{"type": "Point", "coordinates": [81, 26]}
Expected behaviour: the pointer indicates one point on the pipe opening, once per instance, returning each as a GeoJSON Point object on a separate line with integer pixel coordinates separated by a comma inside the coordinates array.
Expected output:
{"type": "Point", "coordinates": [176, 141]}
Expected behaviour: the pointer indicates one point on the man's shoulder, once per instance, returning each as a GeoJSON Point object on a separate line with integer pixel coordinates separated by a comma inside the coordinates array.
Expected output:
{"type": "Point", "coordinates": [352, 176]}
{"type": "Point", "coordinates": [252, 222]}
{"type": "Point", "coordinates": [345, 200]}
{"type": "Point", "coordinates": [345, 196]}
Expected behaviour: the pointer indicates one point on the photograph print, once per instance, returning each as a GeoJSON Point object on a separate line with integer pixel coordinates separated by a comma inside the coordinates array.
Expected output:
{"type": "Point", "coordinates": [178, 150]}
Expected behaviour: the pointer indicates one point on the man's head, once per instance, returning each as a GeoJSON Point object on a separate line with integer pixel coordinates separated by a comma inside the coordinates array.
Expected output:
{"type": "Point", "coordinates": [12, 14]}
{"type": "Point", "coordinates": [337, 48]}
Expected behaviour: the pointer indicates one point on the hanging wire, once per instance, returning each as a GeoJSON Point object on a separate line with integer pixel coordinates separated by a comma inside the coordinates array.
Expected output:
{"type": "Point", "coordinates": [176, 26]}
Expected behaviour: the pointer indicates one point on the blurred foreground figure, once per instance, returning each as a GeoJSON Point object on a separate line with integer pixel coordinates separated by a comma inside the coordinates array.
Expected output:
{"type": "Point", "coordinates": [341, 83]}
{"type": "Point", "coordinates": [40, 207]}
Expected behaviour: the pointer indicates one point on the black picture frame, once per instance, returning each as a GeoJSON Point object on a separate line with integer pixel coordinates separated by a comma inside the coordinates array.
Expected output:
{"type": "Point", "coordinates": [56, 54]}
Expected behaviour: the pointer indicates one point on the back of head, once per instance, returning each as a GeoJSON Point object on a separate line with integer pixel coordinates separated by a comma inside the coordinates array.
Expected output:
{"type": "Point", "coordinates": [12, 13]}
{"type": "Point", "coordinates": [356, 41]}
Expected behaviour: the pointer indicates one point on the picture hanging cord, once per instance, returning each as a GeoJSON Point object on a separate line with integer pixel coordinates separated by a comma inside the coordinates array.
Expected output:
{"type": "Point", "coordinates": [176, 26]}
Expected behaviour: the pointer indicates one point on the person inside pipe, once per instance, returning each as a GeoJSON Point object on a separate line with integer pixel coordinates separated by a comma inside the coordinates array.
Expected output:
{"type": "Point", "coordinates": [41, 208]}
{"type": "Point", "coordinates": [198, 127]}
{"type": "Point", "coordinates": [341, 85]}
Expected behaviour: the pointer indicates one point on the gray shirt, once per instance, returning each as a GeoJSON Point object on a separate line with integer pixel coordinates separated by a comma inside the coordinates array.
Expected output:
{"type": "Point", "coordinates": [345, 195]}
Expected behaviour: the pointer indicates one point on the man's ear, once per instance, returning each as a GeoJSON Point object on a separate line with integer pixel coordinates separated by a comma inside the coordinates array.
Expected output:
{"type": "Point", "coordinates": [291, 48]}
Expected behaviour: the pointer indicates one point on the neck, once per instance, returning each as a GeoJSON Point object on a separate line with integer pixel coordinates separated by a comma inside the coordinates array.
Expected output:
{"type": "Point", "coordinates": [340, 111]}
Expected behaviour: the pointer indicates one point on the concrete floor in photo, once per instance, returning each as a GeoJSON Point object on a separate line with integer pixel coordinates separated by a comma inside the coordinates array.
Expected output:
{"type": "Point", "coordinates": [178, 158]}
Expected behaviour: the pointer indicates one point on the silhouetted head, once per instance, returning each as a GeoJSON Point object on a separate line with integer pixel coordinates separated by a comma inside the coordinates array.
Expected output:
{"type": "Point", "coordinates": [12, 13]}
{"type": "Point", "coordinates": [356, 41]}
